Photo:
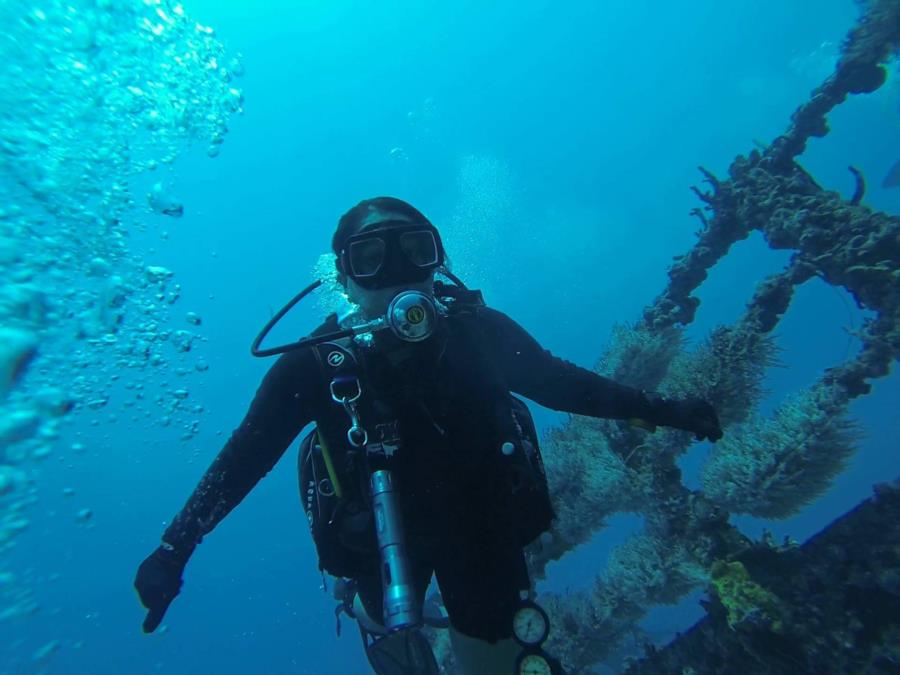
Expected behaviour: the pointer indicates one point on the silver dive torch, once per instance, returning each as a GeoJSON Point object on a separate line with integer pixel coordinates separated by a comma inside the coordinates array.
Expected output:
{"type": "Point", "coordinates": [401, 607]}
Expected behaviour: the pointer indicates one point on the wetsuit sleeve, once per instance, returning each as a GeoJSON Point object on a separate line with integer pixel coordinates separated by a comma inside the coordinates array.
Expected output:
{"type": "Point", "coordinates": [553, 382]}
{"type": "Point", "coordinates": [283, 405]}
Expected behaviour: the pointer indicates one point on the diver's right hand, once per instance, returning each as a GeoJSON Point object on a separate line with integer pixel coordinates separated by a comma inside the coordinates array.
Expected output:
{"type": "Point", "coordinates": [157, 582]}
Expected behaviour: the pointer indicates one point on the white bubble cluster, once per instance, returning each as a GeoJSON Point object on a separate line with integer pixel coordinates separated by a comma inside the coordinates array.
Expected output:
{"type": "Point", "coordinates": [485, 205]}
{"type": "Point", "coordinates": [330, 297]}
{"type": "Point", "coordinates": [94, 93]}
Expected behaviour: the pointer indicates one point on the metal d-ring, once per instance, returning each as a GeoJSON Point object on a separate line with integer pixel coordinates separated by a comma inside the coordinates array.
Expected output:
{"type": "Point", "coordinates": [356, 434]}
{"type": "Point", "coordinates": [344, 400]}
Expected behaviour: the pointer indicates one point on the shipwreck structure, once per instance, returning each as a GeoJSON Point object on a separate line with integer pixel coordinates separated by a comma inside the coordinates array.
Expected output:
{"type": "Point", "coordinates": [765, 467]}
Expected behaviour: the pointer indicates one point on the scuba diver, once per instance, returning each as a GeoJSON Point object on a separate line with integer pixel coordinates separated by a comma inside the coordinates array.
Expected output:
{"type": "Point", "coordinates": [422, 463]}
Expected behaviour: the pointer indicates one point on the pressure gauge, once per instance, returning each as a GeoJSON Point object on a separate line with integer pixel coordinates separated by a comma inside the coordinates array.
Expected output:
{"type": "Point", "coordinates": [533, 663]}
{"type": "Point", "coordinates": [531, 625]}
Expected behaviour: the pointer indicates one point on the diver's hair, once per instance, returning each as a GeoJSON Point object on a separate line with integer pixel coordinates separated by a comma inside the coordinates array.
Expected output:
{"type": "Point", "coordinates": [351, 222]}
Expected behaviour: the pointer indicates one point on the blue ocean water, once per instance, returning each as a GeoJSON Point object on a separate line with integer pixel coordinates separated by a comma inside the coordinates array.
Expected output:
{"type": "Point", "coordinates": [553, 145]}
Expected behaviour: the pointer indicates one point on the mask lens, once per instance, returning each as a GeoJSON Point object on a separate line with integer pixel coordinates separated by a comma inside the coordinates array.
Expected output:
{"type": "Point", "coordinates": [366, 257]}
{"type": "Point", "coordinates": [420, 248]}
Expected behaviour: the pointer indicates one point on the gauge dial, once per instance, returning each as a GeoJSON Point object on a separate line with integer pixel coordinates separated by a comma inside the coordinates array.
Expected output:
{"type": "Point", "coordinates": [530, 624]}
{"type": "Point", "coordinates": [533, 664]}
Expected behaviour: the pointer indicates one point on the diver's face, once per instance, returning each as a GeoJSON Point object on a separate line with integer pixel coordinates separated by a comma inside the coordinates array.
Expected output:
{"type": "Point", "coordinates": [374, 302]}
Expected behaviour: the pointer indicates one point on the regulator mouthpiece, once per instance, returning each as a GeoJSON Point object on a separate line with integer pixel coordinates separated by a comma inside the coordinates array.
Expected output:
{"type": "Point", "coordinates": [412, 316]}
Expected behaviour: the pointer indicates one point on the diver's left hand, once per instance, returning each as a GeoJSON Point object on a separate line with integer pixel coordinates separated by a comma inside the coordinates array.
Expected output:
{"type": "Point", "coordinates": [691, 414]}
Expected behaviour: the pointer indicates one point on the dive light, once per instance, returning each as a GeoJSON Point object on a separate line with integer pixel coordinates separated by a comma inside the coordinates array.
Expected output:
{"type": "Point", "coordinates": [401, 609]}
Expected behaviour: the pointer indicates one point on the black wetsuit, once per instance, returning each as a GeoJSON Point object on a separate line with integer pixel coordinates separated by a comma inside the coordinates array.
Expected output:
{"type": "Point", "coordinates": [443, 391]}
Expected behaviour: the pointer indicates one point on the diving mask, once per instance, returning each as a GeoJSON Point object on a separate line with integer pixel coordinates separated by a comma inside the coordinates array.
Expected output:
{"type": "Point", "coordinates": [392, 254]}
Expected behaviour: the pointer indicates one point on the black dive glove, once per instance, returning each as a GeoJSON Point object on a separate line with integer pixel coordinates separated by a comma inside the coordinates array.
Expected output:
{"type": "Point", "coordinates": [157, 582]}
{"type": "Point", "coordinates": [689, 414]}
